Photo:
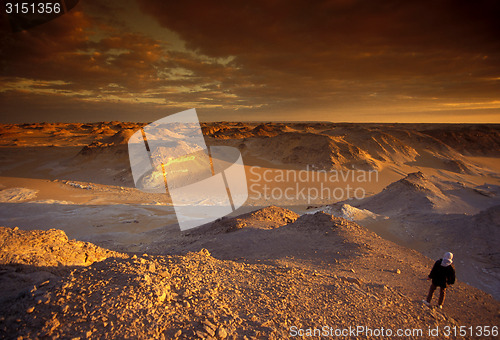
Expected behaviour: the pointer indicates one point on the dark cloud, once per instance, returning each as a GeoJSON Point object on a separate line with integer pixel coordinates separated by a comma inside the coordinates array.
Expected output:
{"type": "Point", "coordinates": [64, 49]}
{"type": "Point", "coordinates": [82, 57]}
{"type": "Point", "coordinates": [324, 52]}
{"type": "Point", "coordinates": [323, 27]}
{"type": "Point", "coordinates": [293, 59]}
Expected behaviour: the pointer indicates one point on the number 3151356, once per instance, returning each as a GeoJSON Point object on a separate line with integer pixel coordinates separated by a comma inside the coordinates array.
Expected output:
{"type": "Point", "coordinates": [32, 7]}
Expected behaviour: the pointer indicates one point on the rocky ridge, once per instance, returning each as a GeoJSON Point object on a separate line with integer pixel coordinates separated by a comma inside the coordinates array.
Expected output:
{"type": "Point", "coordinates": [320, 145]}
{"type": "Point", "coordinates": [354, 278]}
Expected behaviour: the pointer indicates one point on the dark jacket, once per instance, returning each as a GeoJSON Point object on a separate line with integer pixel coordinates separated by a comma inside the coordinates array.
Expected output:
{"type": "Point", "coordinates": [441, 276]}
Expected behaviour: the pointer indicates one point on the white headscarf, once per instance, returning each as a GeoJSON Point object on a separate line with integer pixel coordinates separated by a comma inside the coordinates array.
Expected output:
{"type": "Point", "coordinates": [447, 259]}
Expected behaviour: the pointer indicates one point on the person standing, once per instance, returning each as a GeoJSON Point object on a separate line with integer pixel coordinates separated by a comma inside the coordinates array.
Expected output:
{"type": "Point", "coordinates": [442, 274]}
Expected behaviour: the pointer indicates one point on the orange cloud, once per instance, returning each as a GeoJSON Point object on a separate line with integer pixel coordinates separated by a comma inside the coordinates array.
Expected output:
{"type": "Point", "coordinates": [280, 59]}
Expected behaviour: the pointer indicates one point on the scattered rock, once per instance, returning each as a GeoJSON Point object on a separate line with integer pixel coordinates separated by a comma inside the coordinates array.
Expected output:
{"type": "Point", "coordinates": [199, 295]}
{"type": "Point", "coordinates": [221, 333]}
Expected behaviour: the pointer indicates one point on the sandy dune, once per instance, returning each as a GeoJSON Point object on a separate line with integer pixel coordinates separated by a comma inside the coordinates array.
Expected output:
{"type": "Point", "coordinates": [78, 175]}
{"type": "Point", "coordinates": [432, 215]}
{"type": "Point", "coordinates": [316, 271]}
{"type": "Point", "coordinates": [433, 188]}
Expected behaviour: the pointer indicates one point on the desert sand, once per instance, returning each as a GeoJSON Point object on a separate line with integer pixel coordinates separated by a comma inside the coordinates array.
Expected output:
{"type": "Point", "coordinates": [279, 261]}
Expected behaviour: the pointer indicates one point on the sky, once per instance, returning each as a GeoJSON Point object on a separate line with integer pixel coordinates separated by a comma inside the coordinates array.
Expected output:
{"type": "Point", "coordinates": [261, 60]}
